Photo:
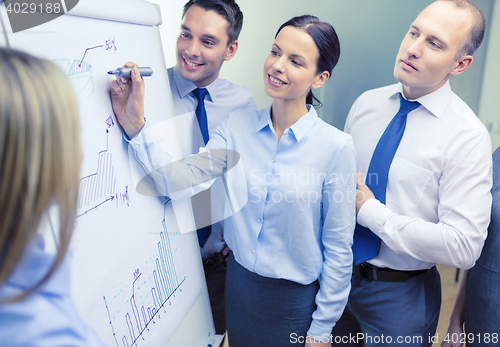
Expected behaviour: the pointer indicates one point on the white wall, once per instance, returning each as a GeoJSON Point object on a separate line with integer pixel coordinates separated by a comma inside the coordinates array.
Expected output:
{"type": "Point", "coordinates": [171, 12]}
{"type": "Point", "coordinates": [370, 33]}
{"type": "Point", "coordinates": [489, 111]}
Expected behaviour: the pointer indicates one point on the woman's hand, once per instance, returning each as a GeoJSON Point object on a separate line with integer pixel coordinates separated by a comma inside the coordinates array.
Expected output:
{"type": "Point", "coordinates": [454, 333]}
{"type": "Point", "coordinates": [457, 318]}
{"type": "Point", "coordinates": [310, 342]}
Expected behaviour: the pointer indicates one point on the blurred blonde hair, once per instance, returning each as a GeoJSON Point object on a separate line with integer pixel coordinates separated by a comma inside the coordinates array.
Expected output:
{"type": "Point", "coordinates": [40, 155]}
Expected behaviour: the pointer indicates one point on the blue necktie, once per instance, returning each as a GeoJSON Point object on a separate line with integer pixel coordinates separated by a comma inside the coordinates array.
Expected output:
{"type": "Point", "coordinates": [201, 115]}
{"type": "Point", "coordinates": [366, 244]}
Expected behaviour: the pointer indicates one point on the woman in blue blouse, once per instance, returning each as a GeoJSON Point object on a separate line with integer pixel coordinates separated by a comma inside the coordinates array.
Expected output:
{"type": "Point", "coordinates": [40, 159]}
{"type": "Point", "coordinates": [289, 279]}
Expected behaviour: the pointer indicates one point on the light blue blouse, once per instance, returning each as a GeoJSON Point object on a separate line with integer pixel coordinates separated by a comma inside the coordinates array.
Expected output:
{"type": "Point", "coordinates": [47, 317]}
{"type": "Point", "coordinates": [299, 220]}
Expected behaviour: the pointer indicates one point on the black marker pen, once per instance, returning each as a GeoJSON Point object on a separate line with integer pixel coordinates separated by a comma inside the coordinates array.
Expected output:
{"type": "Point", "coordinates": [126, 71]}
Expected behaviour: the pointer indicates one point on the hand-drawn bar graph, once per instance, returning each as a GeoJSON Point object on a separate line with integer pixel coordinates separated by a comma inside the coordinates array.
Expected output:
{"type": "Point", "coordinates": [166, 281]}
{"type": "Point", "coordinates": [99, 187]}
{"type": "Point", "coordinates": [78, 68]}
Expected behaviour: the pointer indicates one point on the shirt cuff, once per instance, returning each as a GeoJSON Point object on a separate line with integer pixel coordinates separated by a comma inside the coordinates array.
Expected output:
{"type": "Point", "coordinates": [373, 215]}
{"type": "Point", "coordinates": [135, 138]}
{"type": "Point", "coordinates": [137, 141]}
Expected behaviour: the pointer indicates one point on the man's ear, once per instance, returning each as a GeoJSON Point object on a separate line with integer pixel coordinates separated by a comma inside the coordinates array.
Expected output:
{"type": "Point", "coordinates": [231, 50]}
{"type": "Point", "coordinates": [320, 79]}
{"type": "Point", "coordinates": [462, 64]}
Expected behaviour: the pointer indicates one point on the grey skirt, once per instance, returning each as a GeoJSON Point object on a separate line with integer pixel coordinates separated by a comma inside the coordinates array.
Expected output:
{"type": "Point", "coordinates": [262, 311]}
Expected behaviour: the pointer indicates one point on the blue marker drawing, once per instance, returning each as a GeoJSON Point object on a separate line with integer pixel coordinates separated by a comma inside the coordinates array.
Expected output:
{"type": "Point", "coordinates": [166, 283]}
{"type": "Point", "coordinates": [80, 75]}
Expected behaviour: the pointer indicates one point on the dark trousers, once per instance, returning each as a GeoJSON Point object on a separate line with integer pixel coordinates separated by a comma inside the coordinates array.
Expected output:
{"type": "Point", "coordinates": [215, 275]}
{"type": "Point", "coordinates": [391, 313]}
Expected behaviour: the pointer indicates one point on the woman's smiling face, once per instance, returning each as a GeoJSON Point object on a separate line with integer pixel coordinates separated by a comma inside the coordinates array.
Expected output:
{"type": "Point", "coordinates": [290, 68]}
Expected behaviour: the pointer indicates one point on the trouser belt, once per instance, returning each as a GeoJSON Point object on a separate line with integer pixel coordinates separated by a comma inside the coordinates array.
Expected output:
{"type": "Point", "coordinates": [372, 272]}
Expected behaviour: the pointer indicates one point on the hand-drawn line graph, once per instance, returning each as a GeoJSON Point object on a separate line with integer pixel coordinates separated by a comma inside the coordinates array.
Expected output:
{"type": "Point", "coordinates": [80, 75]}
{"type": "Point", "coordinates": [166, 283]}
{"type": "Point", "coordinates": [110, 44]}
{"type": "Point", "coordinates": [100, 187]}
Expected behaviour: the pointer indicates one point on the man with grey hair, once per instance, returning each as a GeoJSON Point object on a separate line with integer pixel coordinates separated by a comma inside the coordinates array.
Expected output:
{"type": "Point", "coordinates": [424, 183]}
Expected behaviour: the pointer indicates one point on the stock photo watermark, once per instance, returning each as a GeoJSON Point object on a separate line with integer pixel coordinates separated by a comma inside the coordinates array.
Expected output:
{"type": "Point", "coordinates": [26, 14]}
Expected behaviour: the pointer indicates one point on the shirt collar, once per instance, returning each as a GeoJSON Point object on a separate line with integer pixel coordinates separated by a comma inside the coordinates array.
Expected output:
{"type": "Point", "coordinates": [265, 120]}
{"type": "Point", "coordinates": [299, 128]}
{"type": "Point", "coordinates": [186, 87]}
{"type": "Point", "coordinates": [434, 102]}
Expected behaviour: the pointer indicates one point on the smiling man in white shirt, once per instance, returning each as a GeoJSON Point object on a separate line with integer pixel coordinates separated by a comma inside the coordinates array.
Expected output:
{"type": "Point", "coordinates": [437, 199]}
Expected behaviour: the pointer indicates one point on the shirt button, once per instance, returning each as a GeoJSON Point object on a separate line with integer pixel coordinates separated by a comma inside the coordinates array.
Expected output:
{"type": "Point", "coordinates": [274, 160]}
{"type": "Point", "coordinates": [264, 189]}
{"type": "Point", "coordinates": [253, 251]}
{"type": "Point", "coordinates": [259, 220]}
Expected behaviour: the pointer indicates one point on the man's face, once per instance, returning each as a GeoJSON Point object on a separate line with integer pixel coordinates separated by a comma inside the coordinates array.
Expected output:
{"type": "Point", "coordinates": [202, 46]}
{"type": "Point", "coordinates": [426, 57]}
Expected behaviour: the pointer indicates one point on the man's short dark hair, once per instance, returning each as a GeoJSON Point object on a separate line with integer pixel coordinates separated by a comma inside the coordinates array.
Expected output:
{"type": "Point", "coordinates": [227, 9]}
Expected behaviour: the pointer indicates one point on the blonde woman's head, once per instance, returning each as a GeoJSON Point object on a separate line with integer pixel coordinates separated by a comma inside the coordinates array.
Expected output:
{"type": "Point", "coordinates": [40, 153]}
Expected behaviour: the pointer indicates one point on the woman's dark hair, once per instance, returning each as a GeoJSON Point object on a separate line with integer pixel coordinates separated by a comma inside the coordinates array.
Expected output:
{"type": "Point", "coordinates": [326, 40]}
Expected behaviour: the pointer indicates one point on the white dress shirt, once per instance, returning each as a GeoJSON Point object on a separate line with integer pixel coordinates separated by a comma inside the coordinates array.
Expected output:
{"type": "Point", "coordinates": [438, 193]}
